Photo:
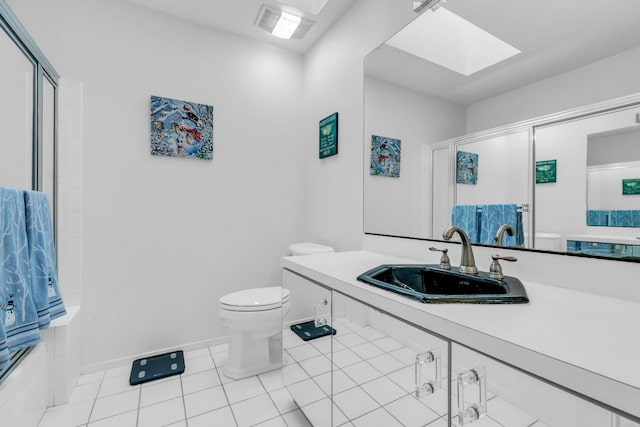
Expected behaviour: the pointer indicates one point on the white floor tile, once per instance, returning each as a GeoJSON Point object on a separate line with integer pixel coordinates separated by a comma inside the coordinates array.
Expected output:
{"type": "Point", "coordinates": [90, 378]}
{"type": "Point", "coordinates": [220, 417]}
{"type": "Point", "coordinates": [350, 340]}
{"type": "Point", "coordinates": [362, 372]}
{"type": "Point", "coordinates": [319, 413]}
{"type": "Point", "coordinates": [293, 373]}
{"type": "Point", "coordinates": [161, 414]}
{"type": "Point", "coordinates": [338, 379]}
{"type": "Point", "coordinates": [405, 355]}
{"type": "Point", "coordinates": [440, 422]}
{"type": "Point", "coordinates": [198, 365]}
{"type": "Point", "coordinates": [541, 424]}
{"type": "Point", "coordinates": [114, 385]}
{"type": "Point", "coordinates": [367, 350]}
{"type": "Point", "coordinates": [410, 412]}
{"type": "Point", "coordinates": [355, 402]}
{"type": "Point", "coordinates": [283, 400]}
{"type": "Point", "coordinates": [386, 363]}
{"type": "Point", "coordinates": [437, 402]}
{"type": "Point", "coordinates": [405, 378]}
{"type": "Point", "coordinates": [345, 358]}
{"type": "Point", "coordinates": [115, 404]}
{"type": "Point", "coordinates": [306, 392]}
{"type": "Point", "coordinates": [296, 419]}
{"type": "Point", "coordinates": [291, 341]}
{"type": "Point", "coordinates": [178, 424]}
{"type": "Point", "coordinates": [204, 401]}
{"type": "Point", "coordinates": [220, 359]}
{"type": "Point", "coordinates": [255, 410]}
{"type": "Point", "coordinates": [243, 389]}
{"type": "Point", "coordinates": [128, 419]}
{"type": "Point", "coordinates": [159, 391]}
{"type": "Point", "coordinates": [324, 345]}
{"type": "Point", "coordinates": [85, 392]}
{"type": "Point", "coordinates": [200, 381]}
{"type": "Point", "coordinates": [482, 422]}
{"type": "Point", "coordinates": [377, 418]}
{"type": "Point", "coordinates": [303, 352]}
{"type": "Point", "coordinates": [272, 380]}
{"type": "Point", "coordinates": [316, 365]}
{"type": "Point", "coordinates": [275, 422]}
{"type": "Point", "coordinates": [383, 390]}
{"type": "Point", "coordinates": [67, 415]}
{"type": "Point", "coordinates": [507, 414]}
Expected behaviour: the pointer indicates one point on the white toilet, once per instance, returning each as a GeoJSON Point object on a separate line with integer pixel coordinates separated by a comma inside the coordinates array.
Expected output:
{"type": "Point", "coordinates": [254, 318]}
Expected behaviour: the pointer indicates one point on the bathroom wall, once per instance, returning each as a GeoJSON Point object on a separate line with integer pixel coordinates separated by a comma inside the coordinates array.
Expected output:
{"type": "Point", "coordinates": [402, 206]}
{"type": "Point", "coordinates": [164, 238]}
{"type": "Point", "coordinates": [603, 80]}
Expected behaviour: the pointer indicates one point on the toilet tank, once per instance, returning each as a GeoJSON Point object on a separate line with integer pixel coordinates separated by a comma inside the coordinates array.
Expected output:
{"type": "Point", "coordinates": [548, 241]}
{"type": "Point", "coordinates": [308, 248]}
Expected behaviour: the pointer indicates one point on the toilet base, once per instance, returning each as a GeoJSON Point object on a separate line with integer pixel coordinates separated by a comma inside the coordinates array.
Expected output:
{"type": "Point", "coordinates": [241, 373]}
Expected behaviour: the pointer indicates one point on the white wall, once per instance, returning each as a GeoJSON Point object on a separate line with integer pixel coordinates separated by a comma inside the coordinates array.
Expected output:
{"type": "Point", "coordinates": [164, 238]}
{"type": "Point", "coordinates": [395, 205]}
{"type": "Point", "coordinates": [334, 81]}
{"type": "Point", "coordinates": [605, 187]}
{"type": "Point", "coordinates": [603, 80]}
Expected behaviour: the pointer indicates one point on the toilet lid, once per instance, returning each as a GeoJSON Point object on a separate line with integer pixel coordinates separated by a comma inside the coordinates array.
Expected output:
{"type": "Point", "coordinates": [256, 299]}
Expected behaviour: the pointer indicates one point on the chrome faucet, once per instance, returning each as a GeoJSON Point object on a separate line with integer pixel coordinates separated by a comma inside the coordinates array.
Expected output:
{"type": "Point", "coordinates": [497, 240]}
{"type": "Point", "coordinates": [467, 262]}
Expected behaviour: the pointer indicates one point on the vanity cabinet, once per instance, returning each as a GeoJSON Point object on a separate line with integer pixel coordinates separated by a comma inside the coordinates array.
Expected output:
{"type": "Point", "coordinates": [380, 369]}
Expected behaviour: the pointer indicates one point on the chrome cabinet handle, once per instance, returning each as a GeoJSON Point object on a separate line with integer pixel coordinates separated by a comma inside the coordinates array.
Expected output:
{"type": "Point", "coordinates": [427, 387]}
{"type": "Point", "coordinates": [320, 319]}
{"type": "Point", "coordinates": [477, 375]}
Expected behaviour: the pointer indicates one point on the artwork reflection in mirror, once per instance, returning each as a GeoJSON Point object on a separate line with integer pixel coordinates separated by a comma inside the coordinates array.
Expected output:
{"type": "Point", "coordinates": [613, 160]}
{"type": "Point", "coordinates": [431, 107]}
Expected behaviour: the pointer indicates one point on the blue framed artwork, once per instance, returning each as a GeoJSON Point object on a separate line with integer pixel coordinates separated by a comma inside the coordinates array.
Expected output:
{"type": "Point", "coordinates": [385, 156]}
{"type": "Point", "coordinates": [546, 171]}
{"type": "Point", "coordinates": [181, 128]}
{"type": "Point", "coordinates": [466, 168]}
{"type": "Point", "coordinates": [630, 186]}
{"type": "Point", "coordinates": [329, 136]}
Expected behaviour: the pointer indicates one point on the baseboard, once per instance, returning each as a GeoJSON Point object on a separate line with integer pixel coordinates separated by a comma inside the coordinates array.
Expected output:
{"type": "Point", "coordinates": [124, 361]}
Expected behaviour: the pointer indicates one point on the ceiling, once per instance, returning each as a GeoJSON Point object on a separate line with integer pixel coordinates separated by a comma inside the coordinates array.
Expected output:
{"type": "Point", "coordinates": [554, 37]}
{"type": "Point", "coordinates": [239, 16]}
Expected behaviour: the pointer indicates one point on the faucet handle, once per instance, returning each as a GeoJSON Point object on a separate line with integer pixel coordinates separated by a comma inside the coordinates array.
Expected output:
{"type": "Point", "coordinates": [445, 262]}
{"type": "Point", "coordinates": [495, 271]}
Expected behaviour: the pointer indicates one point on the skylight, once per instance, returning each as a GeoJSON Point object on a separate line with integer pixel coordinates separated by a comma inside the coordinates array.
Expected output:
{"type": "Point", "coordinates": [444, 38]}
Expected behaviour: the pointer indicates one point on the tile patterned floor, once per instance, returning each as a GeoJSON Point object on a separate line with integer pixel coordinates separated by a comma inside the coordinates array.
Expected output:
{"type": "Point", "coordinates": [372, 382]}
{"type": "Point", "coordinates": [201, 397]}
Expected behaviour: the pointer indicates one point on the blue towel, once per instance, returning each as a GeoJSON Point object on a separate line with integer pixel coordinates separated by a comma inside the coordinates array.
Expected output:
{"type": "Point", "coordinates": [621, 218]}
{"type": "Point", "coordinates": [18, 316]}
{"type": "Point", "coordinates": [636, 218]}
{"type": "Point", "coordinates": [597, 217]}
{"type": "Point", "coordinates": [492, 217]}
{"type": "Point", "coordinates": [42, 256]}
{"type": "Point", "coordinates": [466, 217]}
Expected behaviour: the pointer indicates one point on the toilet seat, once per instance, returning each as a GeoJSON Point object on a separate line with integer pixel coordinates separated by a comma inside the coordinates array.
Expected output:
{"type": "Point", "coordinates": [257, 299]}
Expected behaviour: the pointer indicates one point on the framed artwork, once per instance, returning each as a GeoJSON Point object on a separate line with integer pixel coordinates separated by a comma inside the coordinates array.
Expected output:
{"type": "Point", "coordinates": [385, 156]}
{"type": "Point", "coordinates": [630, 186]}
{"type": "Point", "coordinates": [545, 171]}
{"type": "Point", "coordinates": [466, 168]}
{"type": "Point", "coordinates": [329, 136]}
{"type": "Point", "coordinates": [181, 128]}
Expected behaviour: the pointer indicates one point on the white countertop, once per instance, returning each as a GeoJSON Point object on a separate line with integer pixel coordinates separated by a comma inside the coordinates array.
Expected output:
{"type": "Point", "coordinates": [622, 240]}
{"type": "Point", "coordinates": [587, 343]}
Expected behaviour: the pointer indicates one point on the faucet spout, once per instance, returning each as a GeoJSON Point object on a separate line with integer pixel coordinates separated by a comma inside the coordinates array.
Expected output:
{"type": "Point", "coordinates": [497, 240]}
{"type": "Point", "coordinates": [467, 262]}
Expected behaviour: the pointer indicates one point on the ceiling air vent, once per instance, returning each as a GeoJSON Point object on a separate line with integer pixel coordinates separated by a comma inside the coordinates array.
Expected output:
{"type": "Point", "coordinates": [269, 17]}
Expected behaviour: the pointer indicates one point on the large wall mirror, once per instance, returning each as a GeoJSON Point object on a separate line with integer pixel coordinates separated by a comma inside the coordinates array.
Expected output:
{"type": "Point", "coordinates": [454, 103]}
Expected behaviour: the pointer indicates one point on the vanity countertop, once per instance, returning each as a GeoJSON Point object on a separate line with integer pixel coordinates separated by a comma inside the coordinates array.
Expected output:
{"type": "Point", "coordinates": [585, 342]}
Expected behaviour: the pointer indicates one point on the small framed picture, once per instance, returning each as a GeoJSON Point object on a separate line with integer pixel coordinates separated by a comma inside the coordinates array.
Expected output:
{"type": "Point", "coordinates": [329, 136]}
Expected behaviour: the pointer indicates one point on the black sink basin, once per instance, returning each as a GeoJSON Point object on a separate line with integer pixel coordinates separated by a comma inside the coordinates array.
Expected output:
{"type": "Point", "coordinates": [432, 284]}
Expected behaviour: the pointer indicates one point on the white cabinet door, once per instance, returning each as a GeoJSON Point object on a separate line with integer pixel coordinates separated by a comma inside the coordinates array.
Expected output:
{"type": "Point", "coordinates": [488, 393]}
{"type": "Point", "coordinates": [385, 371]}
{"type": "Point", "coordinates": [306, 371]}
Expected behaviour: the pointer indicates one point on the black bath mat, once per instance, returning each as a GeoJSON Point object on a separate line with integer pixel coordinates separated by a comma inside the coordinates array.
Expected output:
{"type": "Point", "coordinates": [308, 331]}
{"type": "Point", "coordinates": [156, 367]}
